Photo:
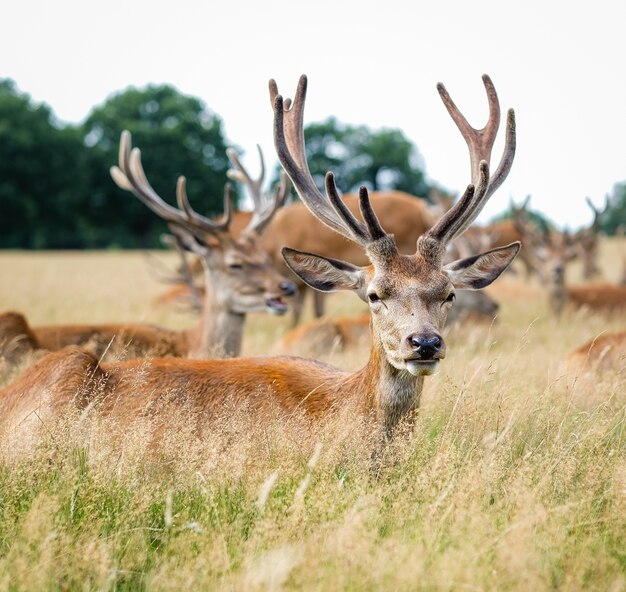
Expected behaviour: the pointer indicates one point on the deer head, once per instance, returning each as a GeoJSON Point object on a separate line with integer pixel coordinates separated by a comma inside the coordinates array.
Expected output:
{"type": "Point", "coordinates": [240, 277]}
{"type": "Point", "coordinates": [409, 295]}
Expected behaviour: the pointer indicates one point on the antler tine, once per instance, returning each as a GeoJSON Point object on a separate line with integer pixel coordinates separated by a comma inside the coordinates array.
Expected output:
{"type": "Point", "coordinates": [290, 147]}
{"type": "Point", "coordinates": [241, 175]}
{"type": "Point", "coordinates": [130, 176]}
{"type": "Point", "coordinates": [283, 189]}
{"type": "Point", "coordinates": [597, 212]}
{"type": "Point", "coordinates": [480, 143]}
{"type": "Point", "coordinates": [458, 217]}
{"type": "Point", "coordinates": [215, 226]}
{"type": "Point", "coordinates": [264, 213]}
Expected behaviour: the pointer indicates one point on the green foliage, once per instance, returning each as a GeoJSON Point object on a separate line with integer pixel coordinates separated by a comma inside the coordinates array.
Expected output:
{"type": "Point", "coordinates": [178, 136]}
{"type": "Point", "coordinates": [55, 187]}
{"type": "Point", "coordinates": [41, 181]}
{"type": "Point", "coordinates": [382, 160]}
{"type": "Point", "coordinates": [615, 215]}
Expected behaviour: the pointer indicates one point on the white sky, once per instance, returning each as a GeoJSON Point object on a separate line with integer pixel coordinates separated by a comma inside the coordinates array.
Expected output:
{"type": "Point", "coordinates": [559, 64]}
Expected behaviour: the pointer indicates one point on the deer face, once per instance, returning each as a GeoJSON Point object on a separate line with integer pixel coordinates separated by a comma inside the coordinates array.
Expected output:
{"type": "Point", "coordinates": [241, 275]}
{"type": "Point", "coordinates": [409, 296]}
{"type": "Point", "coordinates": [409, 302]}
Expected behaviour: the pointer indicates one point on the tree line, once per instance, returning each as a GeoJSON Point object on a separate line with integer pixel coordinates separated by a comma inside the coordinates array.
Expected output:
{"type": "Point", "coordinates": [56, 192]}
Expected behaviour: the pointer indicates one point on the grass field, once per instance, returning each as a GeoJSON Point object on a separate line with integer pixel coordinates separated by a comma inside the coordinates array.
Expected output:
{"type": "Point", "coordinates": [514, 477]}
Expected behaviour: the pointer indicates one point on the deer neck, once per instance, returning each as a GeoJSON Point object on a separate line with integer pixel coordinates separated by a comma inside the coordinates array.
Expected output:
{"type": "Point", "coordinates": [390, 393]}
{"type": "Point", "coordinates": [219, 332]}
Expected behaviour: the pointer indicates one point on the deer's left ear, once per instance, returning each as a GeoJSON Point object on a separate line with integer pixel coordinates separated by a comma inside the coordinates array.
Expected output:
{"type": "Point", "coordinates": [479, 271]}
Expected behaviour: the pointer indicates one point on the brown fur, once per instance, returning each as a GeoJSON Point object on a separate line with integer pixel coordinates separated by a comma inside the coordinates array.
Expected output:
{"type": "Point", "coordinates": [607, 351]}
{"type": "Point", "coordinates": [72, 379]}
{"type": "Point", "coordinates": [16, 337]}
{"type": "Point", "coordinates": [600, 296]}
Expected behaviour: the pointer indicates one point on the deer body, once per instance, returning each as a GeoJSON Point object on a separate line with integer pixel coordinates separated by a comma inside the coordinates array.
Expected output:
{"type": "Point", "coordinates": [597, 296]}
{"type": "Point", "coordinates": [408, 296]}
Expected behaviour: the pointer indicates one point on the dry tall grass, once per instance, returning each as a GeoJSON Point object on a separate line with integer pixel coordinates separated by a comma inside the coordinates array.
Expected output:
{"type": "Point", "coordinates": [513, 478]}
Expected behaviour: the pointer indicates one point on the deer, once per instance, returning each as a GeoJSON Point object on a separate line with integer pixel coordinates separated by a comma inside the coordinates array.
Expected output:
{"type": "Point", "coordinates": [239, 278]}
{"type": "Point", "coordinates": [552, 253]}
{"type": "Point", "coordinates": [408, 295]}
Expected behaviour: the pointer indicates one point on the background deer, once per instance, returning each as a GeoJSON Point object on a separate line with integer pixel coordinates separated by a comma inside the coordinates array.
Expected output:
{"type": "Point", "coordinates": [239, 278]}
{"type": "Point", "coordinates": [408, 295]}
{"type": "Point", "coordinates": [552, 253]}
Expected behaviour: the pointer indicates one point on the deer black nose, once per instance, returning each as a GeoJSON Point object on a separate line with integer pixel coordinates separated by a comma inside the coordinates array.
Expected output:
{"type": "Point", "coordinates": [425, 345]}
{"type": "Point", "coordinates": [288, 288]}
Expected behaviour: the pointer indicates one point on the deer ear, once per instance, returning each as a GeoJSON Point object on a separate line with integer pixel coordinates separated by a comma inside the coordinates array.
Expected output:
{"type": "Point", "coordinates": [325, 274]}
{"type": "Point", "coordinates": [479, 271]}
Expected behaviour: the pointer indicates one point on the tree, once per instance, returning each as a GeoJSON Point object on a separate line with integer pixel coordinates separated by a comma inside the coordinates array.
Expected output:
{"type": "Point", "coordinates": [41, 181]}
{"type": "Point", "coordinates": [615, 214]}
{"type": "Point", "coordinates": [178, 135]}
{"type": "Point", "coordinates": [382, 160]}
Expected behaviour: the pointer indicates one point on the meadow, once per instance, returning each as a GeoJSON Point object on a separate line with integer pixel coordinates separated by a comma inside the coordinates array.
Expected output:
{"type": "Point", "coordinates": [513, 477]}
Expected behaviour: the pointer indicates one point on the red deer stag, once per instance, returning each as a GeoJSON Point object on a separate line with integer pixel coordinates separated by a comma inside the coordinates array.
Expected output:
{"type": "Point", "coordinates": [408, 295]}
{"type": "Point", "coordinates": [239, 277]}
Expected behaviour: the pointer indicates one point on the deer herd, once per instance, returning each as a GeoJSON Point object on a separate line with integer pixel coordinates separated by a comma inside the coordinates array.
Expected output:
{"type": "Point", "coordinates": [413, 270]}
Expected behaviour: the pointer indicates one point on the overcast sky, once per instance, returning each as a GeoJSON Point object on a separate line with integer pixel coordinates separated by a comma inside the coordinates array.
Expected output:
{"type": "Point", "coordinates": [560, 65]}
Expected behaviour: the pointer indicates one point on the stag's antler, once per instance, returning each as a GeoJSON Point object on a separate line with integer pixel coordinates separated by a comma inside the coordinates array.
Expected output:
{"type": "Point", "coordinates": [264, 207]}
{"type": "Point", "coordinates": [480, 143]}
{"type": "Point", "coordinates": [131, 177]}
{"type": "Point", "coordinates": [330, 209]}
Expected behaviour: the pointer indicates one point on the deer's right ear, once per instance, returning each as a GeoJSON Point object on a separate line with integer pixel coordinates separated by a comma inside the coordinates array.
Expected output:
{"type": "Point", "coordinates": [325, 274]}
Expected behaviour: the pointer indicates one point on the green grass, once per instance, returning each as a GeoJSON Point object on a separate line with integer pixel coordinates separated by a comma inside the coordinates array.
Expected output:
{"type": "Point", "coordinates": [513, 478]}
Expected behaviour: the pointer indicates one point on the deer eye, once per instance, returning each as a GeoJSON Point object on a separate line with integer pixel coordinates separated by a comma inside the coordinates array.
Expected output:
{"type": "Point", "coordinates": [451, 297]}
{"type": "Point", "coordinates": [373, 297]}
{"type": "Point", "coordinates": [236, 266]}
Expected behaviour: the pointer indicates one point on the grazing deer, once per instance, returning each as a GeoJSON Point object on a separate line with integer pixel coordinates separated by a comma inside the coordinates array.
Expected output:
{"type": "Point", "coordinates": [239, 277]}
{"type": "Point", "coordinates": [409, 297]}
{"type": "Point", "coordinates": [323, 336]}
